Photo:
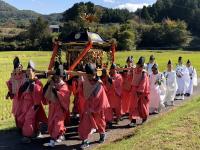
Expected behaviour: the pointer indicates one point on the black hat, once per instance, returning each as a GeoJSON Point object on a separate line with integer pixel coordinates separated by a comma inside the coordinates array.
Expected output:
{"type": "Point", "coordinates": [60, 72]}
{"type": "Point", "coordinates": [155, 66]}
{"type": "Point", "coordinates": [180, 58]}
{"type": "Point", "coordinates": [104, 71]}
{"type": "Point", "coordinates": [152, 57]}
{"type": "Point", "coordinates": [141, 61]}
{"type": "Point", "coordinates": [16, 62]}
{"type": "Point", "coordinates": [31, 65]}
{"type": "Point", "coordinates": [113, 66]}
{"type": "Point", "coordinates": [169, 62]}
{"type": "Point", "coordinates": [129, 59]}
{"type": "Point", "coordinates": [188, 62]}
{"type": "Point", "coordinates": [56, 65]}
{"type": "Point", "coordinates": [90, 69]}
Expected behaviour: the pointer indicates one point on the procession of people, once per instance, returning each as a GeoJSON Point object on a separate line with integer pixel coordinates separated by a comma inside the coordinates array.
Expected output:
{"type": "Point", "coordinates": [135, 91]}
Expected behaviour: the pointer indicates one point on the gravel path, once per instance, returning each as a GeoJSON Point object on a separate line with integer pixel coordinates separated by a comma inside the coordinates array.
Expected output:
{"type": "Point", "coordinates": [11, 140]}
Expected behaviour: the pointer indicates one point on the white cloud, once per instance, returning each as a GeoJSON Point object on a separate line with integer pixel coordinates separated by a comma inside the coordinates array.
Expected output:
{"type": "Point", "coordinates": [109, 1]}
{"type": "Point", "coordinates": [131, 6]}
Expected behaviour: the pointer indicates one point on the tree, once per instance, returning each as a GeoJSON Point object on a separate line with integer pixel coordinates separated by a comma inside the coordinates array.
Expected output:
{"type": "Point", "coordinates": [186, 10]}
{"type": "Point", "coordinates": [175, 33]}
{"type": "Point", "coordinates": [68, 28]}
{"type": "Point", "coordinates": [169, 33]}
{"type": "Point", "coordinates": [126, 40]}
{"type": "Point", "coordinates": [38, 31]}
{"type": "Point", "coordinates": [145, 14]}
{"type": "Point", "coordinates": [81, 10]}
{"type": "Point", "coordinates": [116, 16]}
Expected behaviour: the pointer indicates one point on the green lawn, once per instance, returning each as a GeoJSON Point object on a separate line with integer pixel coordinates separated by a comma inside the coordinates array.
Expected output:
{"type": "Point", "coordinates": [178, 129]}
{"type": "Point", "coordinates": [42, 60]}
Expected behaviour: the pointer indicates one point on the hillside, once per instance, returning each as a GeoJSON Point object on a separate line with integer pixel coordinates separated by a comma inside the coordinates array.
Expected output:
{"type": "Point", "coordinates": [9, 13]}
{"type": "Point", "coordinates": [187, 10]}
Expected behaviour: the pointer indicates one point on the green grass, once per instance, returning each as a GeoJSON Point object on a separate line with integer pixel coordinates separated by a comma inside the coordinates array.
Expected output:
{"type": "Point", "coordinates": [42, 60]}
{"type": "Point", "coordinates": [177, 129]}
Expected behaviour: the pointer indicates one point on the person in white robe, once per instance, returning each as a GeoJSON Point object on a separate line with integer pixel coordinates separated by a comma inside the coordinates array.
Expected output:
{"type": "Point", "coordinates": [150, 64]}
{"type": "Point", "coordinates": [193, 78]}
{"type": "Point", "coordinates": [183, 79]}
{"type": "Point", "coordinates": [171, 84]}
{"type": "Point", "coordinates": [157, 90]}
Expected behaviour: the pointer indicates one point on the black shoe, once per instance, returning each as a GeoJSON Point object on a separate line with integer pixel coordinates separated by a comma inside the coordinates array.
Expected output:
{"type": "Point", "coordinates": [133, 124]}
{"type": "Point", "coordinates": [85, 144]}
{"type": "Point", "coordinates": [187, 94]}
{"type": "Point", "coordinates": [102, 138]}
{"type": "Point", "coordinates": [109, 125]}
{"type": "Point", "coordinates": [26, 140]}
{"type": "Point", "coordinates": [117, 120]}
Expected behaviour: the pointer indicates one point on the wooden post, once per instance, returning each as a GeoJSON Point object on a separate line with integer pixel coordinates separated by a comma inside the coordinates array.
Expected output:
{"type": "Point", "coordinates": [55, 51]}
{"type": "Point", "coordinates": [84, 52]}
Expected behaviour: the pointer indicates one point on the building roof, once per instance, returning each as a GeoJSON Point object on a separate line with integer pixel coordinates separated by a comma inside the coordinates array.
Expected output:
{"type": "Point", "coordinates": [54, 26]}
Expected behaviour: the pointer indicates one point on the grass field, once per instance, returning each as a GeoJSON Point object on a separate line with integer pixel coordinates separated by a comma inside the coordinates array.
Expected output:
{"type": "Point", "coordinates": [178, 129]}
{"type": "Point", "coordinates": [42, 60]}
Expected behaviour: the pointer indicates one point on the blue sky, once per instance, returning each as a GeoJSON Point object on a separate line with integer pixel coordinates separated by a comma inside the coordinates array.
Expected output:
{"type": "Point", "coordinates": [52, 6]}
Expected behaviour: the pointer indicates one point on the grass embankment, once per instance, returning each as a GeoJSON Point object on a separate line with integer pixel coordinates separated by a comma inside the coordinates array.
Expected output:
{"type": "Point", "coordinates": [177, 129]}
{"type": "Point", "coordinates": [42, 60]}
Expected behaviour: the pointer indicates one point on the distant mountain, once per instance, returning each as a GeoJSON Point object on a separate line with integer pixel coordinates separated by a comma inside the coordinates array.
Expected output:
{"type": "Point", "coordinates": [54, 18]}
{"type": "Point", "coordinates": [10, 13]}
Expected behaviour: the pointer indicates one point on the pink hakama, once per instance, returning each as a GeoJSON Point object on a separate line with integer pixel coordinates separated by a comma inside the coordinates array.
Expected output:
{"type": "Point", "coordinates": [29, 117]}
{"type": "Point", "coordinates": [58, 110]}
{"type": "Point", "coordinates": [93, 116]}
{"type": "Point", "coordinates": [139, 102]}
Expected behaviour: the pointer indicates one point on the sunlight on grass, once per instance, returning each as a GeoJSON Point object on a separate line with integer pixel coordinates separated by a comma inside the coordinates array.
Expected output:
{"type": "Point", "coordinates": [177, 129]}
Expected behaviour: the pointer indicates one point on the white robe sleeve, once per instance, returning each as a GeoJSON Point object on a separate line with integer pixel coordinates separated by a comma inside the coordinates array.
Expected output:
{"type": "Point", "coordinates": [162, 88]}
{"type": "Point", "coordinates": [175, 82]}
{"type": "Point", "coordinates": [186, 77]}
{"type": "Point", "coordinates": [195, 80]}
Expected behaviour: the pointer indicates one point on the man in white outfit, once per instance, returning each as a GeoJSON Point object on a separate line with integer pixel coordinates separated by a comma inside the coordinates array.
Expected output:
{"type": "Point", "coordinates": [193, 78]}
{"type": "Point", "coordinates": [183, 79]}
{"type": "Point", "coordinates": [157, 90]}
{"type": "Point", "coordinates": [171, 84]}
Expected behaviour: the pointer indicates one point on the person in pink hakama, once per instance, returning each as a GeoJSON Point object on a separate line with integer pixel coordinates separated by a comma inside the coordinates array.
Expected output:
{"type": "Point", "coordinates": [18, 77]}
{"type": "Point", "coordinates": [96, 102]}
{"type": "Point", "coordinates": [78, 97]}
{"type": "Point", "coordinates": [31, 109]}
{"type": "Point", "coordinates": [127, 76]}
{"type": "Point", "coordinates": [107, 84]}
{"type": "Point", "coordinates": [57, 95]}
{"type": "Point", "coordinates": [114, 94]}
{"type": "Point", "coordinates": [139, 102]}
{"type": "Point", "coordinates": [126, 91]}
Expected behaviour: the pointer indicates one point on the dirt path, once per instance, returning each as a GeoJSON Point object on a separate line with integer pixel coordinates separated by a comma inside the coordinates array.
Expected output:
{"type": "Point", "coordinates": [12, 140]}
